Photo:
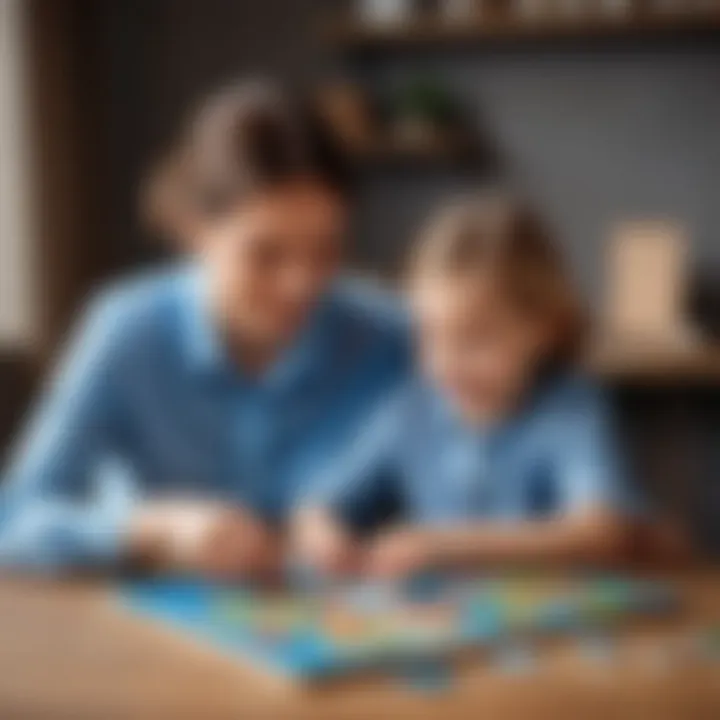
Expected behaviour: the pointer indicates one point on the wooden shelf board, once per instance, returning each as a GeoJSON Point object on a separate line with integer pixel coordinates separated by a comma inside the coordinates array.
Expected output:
{"type": "Point", "coordinates": [353, 33]}
{"type": "Point", "coordinates": [440, 152]}
{"type": "Point", "coordinates": [623, 360]}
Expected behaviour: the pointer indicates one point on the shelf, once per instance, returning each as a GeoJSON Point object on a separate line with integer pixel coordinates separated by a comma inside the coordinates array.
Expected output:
{"type": "Point", "coordinates": [351, 33]}
{"type": "Point", "coordinates": [441, 152]}
{"type": "Point", "coordinates": [619, 360]}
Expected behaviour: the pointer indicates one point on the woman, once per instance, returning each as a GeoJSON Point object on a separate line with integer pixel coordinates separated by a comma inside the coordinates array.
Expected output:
{"type": "Point", "coordinates": [194, 402]}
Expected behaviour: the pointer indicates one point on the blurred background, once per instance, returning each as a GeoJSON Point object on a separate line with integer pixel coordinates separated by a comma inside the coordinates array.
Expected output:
{"type": "Point", "coordinates": [607, 112]}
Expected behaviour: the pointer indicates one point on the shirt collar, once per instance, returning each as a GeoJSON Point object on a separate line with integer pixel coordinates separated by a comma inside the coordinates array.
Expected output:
{"type": "Point", "coordinates": [455, 426]}
{"type": "Point", "coordinates": [207, 352]}
{"type": "Point", "coordinates": [306, 356]}
{"type": "Point", "coordinates": [204, 348]}
{"type": "Point", "coordinates": [538, 396]}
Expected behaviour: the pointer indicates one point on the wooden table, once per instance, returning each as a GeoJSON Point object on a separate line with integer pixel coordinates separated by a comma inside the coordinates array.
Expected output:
{"type": "Point", "coordinates": [66, 651]}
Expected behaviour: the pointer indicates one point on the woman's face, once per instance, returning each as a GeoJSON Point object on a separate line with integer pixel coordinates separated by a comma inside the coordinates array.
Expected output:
{"type": "Point", "coordinates": [272, 257]}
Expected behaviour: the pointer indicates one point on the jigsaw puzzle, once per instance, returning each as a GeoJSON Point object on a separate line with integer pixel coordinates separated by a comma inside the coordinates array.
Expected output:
{"type": "Point", "coordinates": [311, 635]}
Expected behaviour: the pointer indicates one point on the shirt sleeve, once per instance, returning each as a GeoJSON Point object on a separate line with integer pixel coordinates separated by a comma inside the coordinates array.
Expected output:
{"type": "Point", "coordinates": [361, 477]}
{"type": "Point", "coordinates": [590, 467]}
{"type": "Point", "coordinates": [57, 503]}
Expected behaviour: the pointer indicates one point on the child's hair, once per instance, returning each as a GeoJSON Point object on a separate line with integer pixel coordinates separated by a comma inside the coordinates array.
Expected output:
{"type": "Point", "coordinates": [502, 235]}
{"type": "Point", "coordinates": [251, 136]}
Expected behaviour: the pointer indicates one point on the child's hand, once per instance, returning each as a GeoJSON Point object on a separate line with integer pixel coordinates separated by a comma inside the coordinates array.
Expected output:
{"type": "Point", "coordinates": [321, 541]}
{"type": "Point", "coordinates": [206, 538]}
{"type": "Point", "coordinates": [399, 553]}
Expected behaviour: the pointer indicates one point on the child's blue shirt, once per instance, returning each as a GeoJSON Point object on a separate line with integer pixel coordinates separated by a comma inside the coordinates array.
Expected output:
{"type": "Point", "coordinates": [148, 403]}
{"type": "Point", "coordinates": [558, 455]}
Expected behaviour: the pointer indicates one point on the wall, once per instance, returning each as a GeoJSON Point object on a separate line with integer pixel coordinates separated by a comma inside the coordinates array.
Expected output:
{"type": "Point", "coordinates": [596, 135]}
{"type": "Point", "coordinates": [165, 56]}
{"type": "Point", "coordinates": [611, 131]}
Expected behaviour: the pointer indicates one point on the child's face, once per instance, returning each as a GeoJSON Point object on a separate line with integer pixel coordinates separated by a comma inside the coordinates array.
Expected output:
{"type": "Point", "coordinates": [479, 350]}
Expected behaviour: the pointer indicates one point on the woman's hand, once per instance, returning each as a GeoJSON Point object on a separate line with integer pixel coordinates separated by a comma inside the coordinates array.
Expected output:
{"type": "Point", "coordinates": [400, 553]}
{"type": "Point", "coordinates": [205, 538]}
{"type": "Point", "coordinates": [321, 541]}
{"type": "Point", "coordinates": [237, 544]}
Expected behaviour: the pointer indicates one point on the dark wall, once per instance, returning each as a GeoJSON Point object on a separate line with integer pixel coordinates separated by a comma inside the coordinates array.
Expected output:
{"type": "Point", "coordinates": [166, 55]}
{"type": "Point", "coordinates": [17, 381]}
{"type": "Point", "coordinates": [597, 133]}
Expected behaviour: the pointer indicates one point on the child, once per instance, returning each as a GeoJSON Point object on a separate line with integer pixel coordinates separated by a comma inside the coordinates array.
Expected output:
{"type": "Point", "coordinates": [500, 451]}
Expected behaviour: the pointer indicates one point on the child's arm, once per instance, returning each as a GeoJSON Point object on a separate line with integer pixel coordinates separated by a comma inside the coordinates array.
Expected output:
{"type": "Point", "coordinates": [593, 538]}
{"type": "Point", "coordinates": [321, 539]}
{"type": "Point", "coordinates": [591, 522]}
{"type": "Point", "coordinates": [322, 525]}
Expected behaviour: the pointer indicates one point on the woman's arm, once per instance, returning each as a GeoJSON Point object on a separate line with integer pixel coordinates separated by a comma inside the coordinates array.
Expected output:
{"type": "Point", "coordinates": [63, 500]}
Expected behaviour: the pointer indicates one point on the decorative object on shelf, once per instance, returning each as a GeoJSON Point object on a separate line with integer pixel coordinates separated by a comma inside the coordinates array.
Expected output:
{"type": "Point", "coordinates": [347, 108]}
{"type": "Point", "coordinates": [532, 20]}
{"type": "Point", "coordinates": [386, 12]}
{"type": "Point", "coordinates": [647, 285]}
{"type": "Point", "coordinates": [420, 125]}
{"type": "Point", "coordinates": [422, 113]}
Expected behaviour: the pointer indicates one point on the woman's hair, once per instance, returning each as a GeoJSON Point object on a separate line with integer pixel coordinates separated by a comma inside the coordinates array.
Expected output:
{"type": "Point", "coordinates": [498, 235]}
{"type": "Point", "coordinates": [249, 137]}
